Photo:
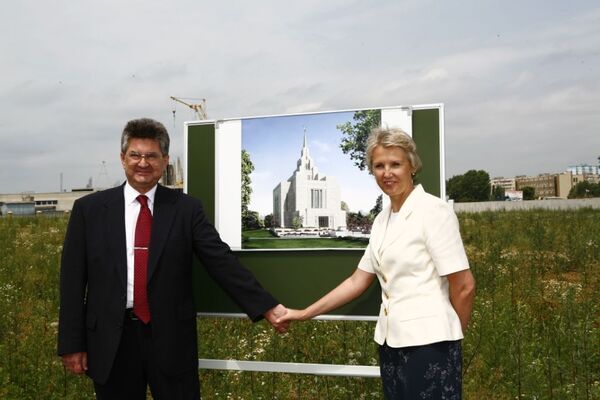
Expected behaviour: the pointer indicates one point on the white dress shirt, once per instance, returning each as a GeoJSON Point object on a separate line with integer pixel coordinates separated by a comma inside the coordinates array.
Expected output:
{"type": "Point", "coordinates": [411, 256]}
{"type": "Point", "coordinates": [132, 209]}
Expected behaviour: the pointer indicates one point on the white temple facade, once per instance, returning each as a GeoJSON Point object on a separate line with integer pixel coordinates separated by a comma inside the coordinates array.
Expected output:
{"type": "Point", "coordinates": [310, 198]}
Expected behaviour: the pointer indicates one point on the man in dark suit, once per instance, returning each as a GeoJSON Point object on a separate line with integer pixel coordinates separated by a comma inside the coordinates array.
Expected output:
{"type": "Point", "coordinates": [124, 334]}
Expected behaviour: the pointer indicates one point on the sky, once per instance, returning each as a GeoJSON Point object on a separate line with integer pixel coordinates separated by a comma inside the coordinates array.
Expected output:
{"type": "Point", "coordinates": [520, 81]}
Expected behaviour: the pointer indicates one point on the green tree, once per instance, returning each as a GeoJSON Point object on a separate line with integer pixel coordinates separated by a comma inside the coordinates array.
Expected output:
{"type": "Point", "coordinates": [344, 206]}
{"type": "Point", "coordinates": [454, 187]}
{"type": "Point", "coordinates": [498, 193]}
{"type": "Point", "coordinates": [358, 221]}
{"type": "Point", "coordinates": [471, 186]}
{"type": "Point", "coordinates": [247, 168]}
{"type": "Point", "coordinates": [268, 221]}
{"type": "Point", "coordinates": [377, 208]}
{"type": "Point", "coordinates": [584, 189]}
{"type": "Point", "coordinates": [251, 220]}
{"type": "Point", "coordinates": [528, 193]}
{"type": "Point", "coordinates": [297, 222]}
{"type": "Point", "coordinates": [354, 135]}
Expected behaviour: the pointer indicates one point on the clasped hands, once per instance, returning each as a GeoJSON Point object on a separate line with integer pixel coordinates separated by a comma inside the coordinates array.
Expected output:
{"type": "Point", "coordinates": [280, 317]}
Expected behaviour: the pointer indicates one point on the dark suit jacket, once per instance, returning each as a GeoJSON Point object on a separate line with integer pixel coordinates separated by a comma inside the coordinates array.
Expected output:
{"type": "Point", "coordinates": [94, 277]}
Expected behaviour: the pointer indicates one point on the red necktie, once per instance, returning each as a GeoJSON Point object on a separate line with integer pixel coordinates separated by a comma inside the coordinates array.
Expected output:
{"type": "Point", "coordinates": [141, 244]}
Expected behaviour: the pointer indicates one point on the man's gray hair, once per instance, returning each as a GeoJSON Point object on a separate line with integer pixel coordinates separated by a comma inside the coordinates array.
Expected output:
{"type": "Point", "coordinates": [145, 128]}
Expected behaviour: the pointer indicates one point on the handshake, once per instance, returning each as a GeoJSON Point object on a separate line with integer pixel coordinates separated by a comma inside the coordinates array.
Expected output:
{"type": "Point", "coordinates": [280, 317]}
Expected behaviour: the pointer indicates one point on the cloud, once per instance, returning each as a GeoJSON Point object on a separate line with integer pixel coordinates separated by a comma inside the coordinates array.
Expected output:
{"type": "Point", "coordinates": [301, 108]}
{"type": "Point", "coordinates": [516, 79]}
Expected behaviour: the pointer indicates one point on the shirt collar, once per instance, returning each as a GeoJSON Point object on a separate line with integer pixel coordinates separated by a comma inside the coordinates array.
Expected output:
{"type": "Point", "coordinates": [131, 194]}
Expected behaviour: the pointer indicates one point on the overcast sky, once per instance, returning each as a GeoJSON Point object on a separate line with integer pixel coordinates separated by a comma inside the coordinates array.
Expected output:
{"type": "Point", "coordinates": [520, 80]}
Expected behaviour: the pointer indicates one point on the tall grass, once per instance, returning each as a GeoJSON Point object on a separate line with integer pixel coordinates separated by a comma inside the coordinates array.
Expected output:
{"type": "Point", "coordinates": [29, 283]}
{"type": "Point", "coordinates": [535, 331]}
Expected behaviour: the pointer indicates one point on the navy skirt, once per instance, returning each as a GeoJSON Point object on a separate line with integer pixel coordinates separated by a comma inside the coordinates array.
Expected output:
{"type": "Point", "coordinates": [432, 371]}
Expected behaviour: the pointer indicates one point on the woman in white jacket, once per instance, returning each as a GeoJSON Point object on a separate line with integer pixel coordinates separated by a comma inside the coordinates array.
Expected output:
{"type": "Point", "coordinates": [427, 289]}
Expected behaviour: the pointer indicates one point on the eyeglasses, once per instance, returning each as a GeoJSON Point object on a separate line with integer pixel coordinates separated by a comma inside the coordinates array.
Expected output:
{"type": "Point", "coordinates": [151, 158]}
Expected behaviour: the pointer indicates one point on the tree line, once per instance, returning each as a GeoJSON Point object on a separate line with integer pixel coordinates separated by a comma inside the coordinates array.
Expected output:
{"type": "Point", "coordinates": [475, 185]}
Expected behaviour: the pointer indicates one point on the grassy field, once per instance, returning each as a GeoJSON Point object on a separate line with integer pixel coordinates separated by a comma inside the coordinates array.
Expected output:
{"type": "Point", "coordinates": [535, 332]}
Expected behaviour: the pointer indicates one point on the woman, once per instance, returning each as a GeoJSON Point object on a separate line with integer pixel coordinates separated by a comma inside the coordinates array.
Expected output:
{"type": "Point", "coordinates": [427, 289]}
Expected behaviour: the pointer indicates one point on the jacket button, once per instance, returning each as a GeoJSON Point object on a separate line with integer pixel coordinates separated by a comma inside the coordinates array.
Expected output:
{"type": "Point", "coordinates": [383, 278]}
{"type": "Point", "coordinates": [385, 311]}
{"type": "Point", "coordinates": [386, 295]}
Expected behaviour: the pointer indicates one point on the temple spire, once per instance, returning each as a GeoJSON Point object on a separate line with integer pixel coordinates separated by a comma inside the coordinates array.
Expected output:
{"type": "Point", "coordinates": [305, 138]}
{"type": "Point", "coordinates": [304, 152]}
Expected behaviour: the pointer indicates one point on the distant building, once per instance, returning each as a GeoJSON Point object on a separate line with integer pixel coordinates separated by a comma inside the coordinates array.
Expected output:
{"type": "Point", "coordinates": [168, 176]}
{"type": "Point", "coordinates": [173, 175]}
{"type": "Point", "coordinates": [311, 199]}
{"type": "Point", "coordinates": [551, 185]}
{"type": "Point", "coordinates": [178, 173]}
{"type": "Point", "coordinates": [505, 183]}
{"type": "Point", "coordinates": [591, 178]}
{"type": "Point", "coordinates": [564, 183]}
{"type": "Point", "coordinates": [584, 169]}
{"type": "Point", "coordinates": [544, 184]}
{"type": "Point", "coordinates": [584, 173]}
{"type": "Point", "coordinates": [30, 203]}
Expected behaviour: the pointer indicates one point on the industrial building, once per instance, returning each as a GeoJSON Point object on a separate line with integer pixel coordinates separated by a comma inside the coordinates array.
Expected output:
{"type": "Point", "coordinates": [30, 203]}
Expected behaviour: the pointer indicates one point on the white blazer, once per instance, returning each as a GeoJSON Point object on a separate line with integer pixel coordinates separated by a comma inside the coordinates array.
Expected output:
{"type": "Point", "coordinates": [411, 258]}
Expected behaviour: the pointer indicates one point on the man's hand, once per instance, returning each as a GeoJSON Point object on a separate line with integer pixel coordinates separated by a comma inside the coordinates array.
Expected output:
{"type": "Point", "coordinates": [275, 313]}
{"type": "Point", "coordinates": [292, 315]}
{"type": "Point", "coordinates": [75, 362]}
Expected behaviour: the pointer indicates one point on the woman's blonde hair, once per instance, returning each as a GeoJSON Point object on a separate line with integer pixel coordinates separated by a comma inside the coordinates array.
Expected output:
{"type": "Point", "coordinates": [390, 137]}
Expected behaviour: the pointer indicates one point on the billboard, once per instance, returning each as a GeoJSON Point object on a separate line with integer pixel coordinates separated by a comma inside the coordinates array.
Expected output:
{"type": "Point", "coordinates": [287, 193]}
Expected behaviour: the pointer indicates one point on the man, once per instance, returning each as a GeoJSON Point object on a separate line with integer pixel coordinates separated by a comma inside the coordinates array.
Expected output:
{"type": "Point", "coordinates": [127, 316]}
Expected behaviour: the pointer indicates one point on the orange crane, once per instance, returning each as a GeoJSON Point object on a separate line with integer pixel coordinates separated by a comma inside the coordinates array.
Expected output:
{"type": "Point", "coordinates": [199, 109]}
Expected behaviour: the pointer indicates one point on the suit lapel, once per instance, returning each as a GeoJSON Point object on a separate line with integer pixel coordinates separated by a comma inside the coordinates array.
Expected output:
{"type": "Point", "coordinates": [395, 230]}
{"type": "Point", "coordinates": [162, 219]}
{"type": "Point", "coordinates": [378, 232]}
{"type": "Point", "coordinates": [115, 232]}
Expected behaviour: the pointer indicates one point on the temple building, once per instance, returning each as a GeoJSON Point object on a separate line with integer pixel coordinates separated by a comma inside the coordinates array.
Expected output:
{"type": "Point", "coordinates": [307, 198]}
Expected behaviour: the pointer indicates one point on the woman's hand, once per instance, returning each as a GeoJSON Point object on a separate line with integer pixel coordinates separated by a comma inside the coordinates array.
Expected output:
{"type": "Point", "coordinates": [345, 292]}
{"type": "Point", "coordinates": [292, 315]}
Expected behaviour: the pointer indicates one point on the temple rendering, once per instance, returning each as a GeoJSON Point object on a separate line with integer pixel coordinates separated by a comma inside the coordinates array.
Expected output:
{"type": "Point", "coordinates": [307, 198]}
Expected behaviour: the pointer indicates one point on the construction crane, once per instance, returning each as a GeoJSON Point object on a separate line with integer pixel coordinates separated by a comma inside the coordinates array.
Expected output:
{"type": "Point", "coordinates": [199, 109]}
